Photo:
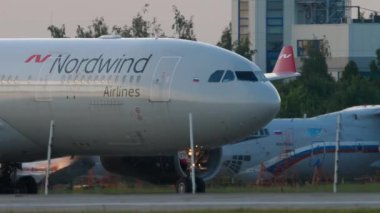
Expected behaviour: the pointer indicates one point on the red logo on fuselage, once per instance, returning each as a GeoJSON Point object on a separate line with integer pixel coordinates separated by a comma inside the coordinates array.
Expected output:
{"type": "Point", "coordinates": [37, 58]}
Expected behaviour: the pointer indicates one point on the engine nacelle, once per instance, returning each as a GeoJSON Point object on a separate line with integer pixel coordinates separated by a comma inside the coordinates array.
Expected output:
{"type": "Point", "coordinates": [163, 169]}
{"type": "Point", "coordinates": [207, 164]}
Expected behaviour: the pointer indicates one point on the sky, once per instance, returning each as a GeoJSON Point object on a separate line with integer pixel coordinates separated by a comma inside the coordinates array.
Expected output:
{"type": "Point", "coordinates": [30, 18]}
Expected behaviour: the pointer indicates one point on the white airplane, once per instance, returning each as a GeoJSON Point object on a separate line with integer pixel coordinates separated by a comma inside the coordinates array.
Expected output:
{"type": "Point", "coordinates": [304, 149]}
{"type": "Point", "coordinates": [119, 98]}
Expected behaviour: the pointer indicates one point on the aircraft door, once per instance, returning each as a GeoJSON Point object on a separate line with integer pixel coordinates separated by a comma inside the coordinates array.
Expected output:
{"type": "Point", "coordinates": [162, 78]}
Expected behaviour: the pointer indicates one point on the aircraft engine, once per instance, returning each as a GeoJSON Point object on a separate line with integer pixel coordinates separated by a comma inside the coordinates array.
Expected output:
{"type": "Point", "coordinates": [207, 162]}
{"type": "Point", "coordinates": [165, 169]}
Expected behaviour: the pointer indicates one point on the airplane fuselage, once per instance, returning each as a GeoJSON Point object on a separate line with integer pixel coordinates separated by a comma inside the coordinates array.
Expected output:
{"type": "Point", "coordinates": [124, 97]}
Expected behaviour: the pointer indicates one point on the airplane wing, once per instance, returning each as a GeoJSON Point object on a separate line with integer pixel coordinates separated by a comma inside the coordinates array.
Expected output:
{"type": "Point", "coordinates": [285, 66]}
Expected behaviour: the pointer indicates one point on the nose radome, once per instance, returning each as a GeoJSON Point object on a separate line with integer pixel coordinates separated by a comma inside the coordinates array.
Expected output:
{"type": "Point", "coordinates": [268, 101]}
{"type": "Point", "coordinates": [274, 100]}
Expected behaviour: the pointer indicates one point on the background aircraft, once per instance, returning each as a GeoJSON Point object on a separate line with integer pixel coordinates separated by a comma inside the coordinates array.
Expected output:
{"type": "Point", "coordinates": [125, 98]}
{"type": "Point", "coordinates": [303, 148]}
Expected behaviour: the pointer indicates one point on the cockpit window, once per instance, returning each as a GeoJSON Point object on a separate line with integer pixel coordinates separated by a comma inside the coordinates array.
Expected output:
{"type": "Point", "coordinates": [229, 76]}
{"type": "Point", "coordinates": [216, 76]}
{"type": "Point", "coordinates": [245, 76]}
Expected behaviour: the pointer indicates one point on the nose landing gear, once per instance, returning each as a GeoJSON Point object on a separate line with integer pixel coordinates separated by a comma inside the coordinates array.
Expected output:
{"type": "Point", "coordinates": [184, 185]}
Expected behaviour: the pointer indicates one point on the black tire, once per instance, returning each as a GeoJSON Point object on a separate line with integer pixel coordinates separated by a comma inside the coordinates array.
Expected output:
{"type": "Point", "coordinates": [183, 185]}
{"type": "Point", "coordinates": [26, 185]}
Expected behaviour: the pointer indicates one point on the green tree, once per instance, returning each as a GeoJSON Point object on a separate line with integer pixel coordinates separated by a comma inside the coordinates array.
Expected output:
{"type": "Point", "coordinates": [350, 71]}
{"type": "Point", "coordinates": [243, 48]}
{"type": "Point", "coordinates": [315, 65]}
{"type": "Point", "coordinates": [183, 28]}
{"type": "Point", "coordinates": [352, 89]}
{"type": "Point", "coordinates": [124, 31]}
{"type": "Point", "coordinates": [375, 66]}
{"type": "Point", "coordinates": [353, 92]}
{"type": "Point", "coordinates": [226, 38]}
{"type": "Point", "coordinates": [57, 32]}
{"type": "Point", "coordinates": [310, 93]}
{"type": "Point", "coordinates": [95, 30]}
{"type": "Point", "coordinates": [292, 94]}
{"type": "Point", "coordinates": [141, 27]}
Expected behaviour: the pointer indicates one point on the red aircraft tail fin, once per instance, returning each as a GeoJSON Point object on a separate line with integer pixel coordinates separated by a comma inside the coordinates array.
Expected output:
{"type": "Point", "coordinates": [285, 66]}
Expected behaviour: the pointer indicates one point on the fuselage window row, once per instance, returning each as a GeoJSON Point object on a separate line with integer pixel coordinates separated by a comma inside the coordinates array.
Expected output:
{"type": "Point", "coordinates": [70, 79]}
{"type": "Point", "coordinates": [96, 79]}
{"type": "Point", "coordinates": [10, 79]}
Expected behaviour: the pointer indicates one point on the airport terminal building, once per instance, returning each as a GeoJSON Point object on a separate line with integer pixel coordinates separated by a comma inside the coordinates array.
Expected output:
{"type": "Point", "coordinates": [327, 24]}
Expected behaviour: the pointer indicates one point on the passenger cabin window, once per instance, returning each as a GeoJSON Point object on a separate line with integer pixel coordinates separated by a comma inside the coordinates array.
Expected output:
{"type": "Point", "coordinates": [216, 76]}
{"type": "Point", "coordinates": [229, 76]}
{"type": "Point", "coordinates": [245, 76]}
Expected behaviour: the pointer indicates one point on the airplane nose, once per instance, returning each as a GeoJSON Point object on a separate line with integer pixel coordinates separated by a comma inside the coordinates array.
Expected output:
{"type": "Point", "coordinates": [266, 103]}
{"type": "Point", "coordinates": [271, 99]}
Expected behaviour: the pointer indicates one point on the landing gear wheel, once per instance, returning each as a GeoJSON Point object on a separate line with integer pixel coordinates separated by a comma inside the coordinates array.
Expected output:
{"type": "Point", "coordinates": [184, 185]}
{"type": "Point", "coordinates": [27, 185]}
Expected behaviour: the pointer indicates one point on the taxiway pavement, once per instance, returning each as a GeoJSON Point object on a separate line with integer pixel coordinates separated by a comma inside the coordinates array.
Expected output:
{"type": "Point", "coordinates": [175, 202]}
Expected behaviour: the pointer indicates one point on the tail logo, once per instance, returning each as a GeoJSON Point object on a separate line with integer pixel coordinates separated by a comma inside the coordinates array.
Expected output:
{"type": "Point", "coordinates": [285, 56]}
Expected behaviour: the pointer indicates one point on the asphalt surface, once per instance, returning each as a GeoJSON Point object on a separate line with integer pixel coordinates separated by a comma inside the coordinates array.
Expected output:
{"type": "Point", "coordinates": [175, 202]}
